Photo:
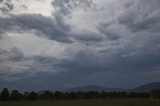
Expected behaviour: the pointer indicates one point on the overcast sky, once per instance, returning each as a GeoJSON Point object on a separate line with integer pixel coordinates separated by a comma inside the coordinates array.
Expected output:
{"type": "Point", "coordinates": [59, 44]}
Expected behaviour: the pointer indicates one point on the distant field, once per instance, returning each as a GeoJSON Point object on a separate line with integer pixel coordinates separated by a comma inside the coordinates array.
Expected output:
{"type": "Point", "coordinates": [118, 102]}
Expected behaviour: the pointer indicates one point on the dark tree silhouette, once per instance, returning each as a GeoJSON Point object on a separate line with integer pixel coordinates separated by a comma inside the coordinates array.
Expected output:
{"type": "Point", "coordinates": [16, 96]}
{"type": "Point", "coordinates": [144, 95]}
{"type": "Point", "coordinates": [26, 95]}
{"type": "Point", "coordinates": [47, 95]}
{"type": "Point", "coordinates": [59, 95]}
{"type": "Point", "coordinates": [5, 96]}
{"type": "Point", "coordinates": [133, 95]}
{"type": "Point", "coordinates": [80, 95]}
{"type": "Point", "coordinates": [33, 96]}
{"type": "Point", "coordinates": [155, 94]}
{"type": "Point", "coordinates": [72, 95]}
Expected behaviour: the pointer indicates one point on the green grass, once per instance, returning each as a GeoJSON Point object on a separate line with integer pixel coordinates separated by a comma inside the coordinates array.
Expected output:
{"type": "Point", "coordinates": [117, 102]}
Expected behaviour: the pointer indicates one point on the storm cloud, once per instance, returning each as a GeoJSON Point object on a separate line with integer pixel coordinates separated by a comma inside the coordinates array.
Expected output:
{"type": "Point", "coordinates": [6, 6]}
{"type": "Point", "coordinates": [108, 42]}
{"type": "Point", "coordinates": [41, 24]}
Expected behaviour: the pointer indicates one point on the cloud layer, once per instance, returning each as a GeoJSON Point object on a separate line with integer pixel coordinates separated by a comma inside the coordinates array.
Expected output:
{"type": "Point", "coordinates": [105, 42]}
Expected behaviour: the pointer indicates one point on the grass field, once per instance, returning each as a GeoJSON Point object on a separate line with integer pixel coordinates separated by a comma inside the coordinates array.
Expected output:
{"type": "Point", "coordinates": [119, 102]}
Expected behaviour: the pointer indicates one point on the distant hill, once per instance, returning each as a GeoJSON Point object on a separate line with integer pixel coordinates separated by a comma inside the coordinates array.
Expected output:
{"type": "Point", "coordinates": [143, 88]}
{"type": "Point", "coordinates": [148, 87]}
{"type": "Point", "coordinates": [92, 88]}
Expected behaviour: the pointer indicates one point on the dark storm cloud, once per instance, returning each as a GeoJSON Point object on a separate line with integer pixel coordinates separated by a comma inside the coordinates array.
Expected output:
{"type": "Point", "coordinates": [110, 33]}
{"type": "Point", "coordinates": [14, 54]}
{"type": "Point", "coordinates": [145, 24]}
{"type": "Point", "coordinates": [65, 7]}
{"type": "Point", "coordinates": [88, 36]}
{"type": "Point", "coordinates": [6, 6]}
{"type": "Point", "coordinates": [132, 17]}
{"type": "Point", "coordinates": [21, 68]}
{"type": "Point", "coordinates": [54, 29]}
{"type": "Point", "coordinates": [126, 58]}
{"type": "Point", "coordinates": [61, 4]}
{"type": "Point", "coordinates": [10, 66]}
{"type": "Point", "coordinates": [1, 1]}
{"type": "Point", "coordinates": [129, 50]}
{"type": "Point", "coordinates": [45, 26]}
{"type": "Point", "coordinates": [140, 15]}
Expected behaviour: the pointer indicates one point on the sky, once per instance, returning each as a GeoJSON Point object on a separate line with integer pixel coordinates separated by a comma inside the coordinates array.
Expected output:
{"type": "Point", "coordinates": [60, 44]}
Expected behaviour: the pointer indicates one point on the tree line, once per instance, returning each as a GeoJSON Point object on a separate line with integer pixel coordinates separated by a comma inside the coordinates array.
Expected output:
{"type": "Point", "coordinates": [15, 95]}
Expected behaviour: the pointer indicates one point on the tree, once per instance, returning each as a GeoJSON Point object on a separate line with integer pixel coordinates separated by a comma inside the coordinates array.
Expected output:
{"type": "Point", "coordinates": [144, 95]}
{"type": "Point", "coordinates": [155, 94]}
{"type": "Point", "coordinates": [72, 95]}
{"type": "Point", "coordinates": [16, 96]}
{"type": "Point", "coordinates": [80, 95]}
{"type": "Point", "coordinates": [59, 95]}
{"type": "Point", "coordinates": [26, 95]}
{"type": "Point", "coordinates": [33, 96]}
{"type": "Point", "coordinates": [103, 95]}
{"type": "Point", "coordinates": [133, 95]}
{"type": "Point", "coordinates": [5, 96]}
{"type": "Point", "coordinates": [47, 95]}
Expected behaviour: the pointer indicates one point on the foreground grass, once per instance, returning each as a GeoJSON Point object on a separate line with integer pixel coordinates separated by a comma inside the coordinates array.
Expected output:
{"type": "Point", "coordinates": [117, 102]}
